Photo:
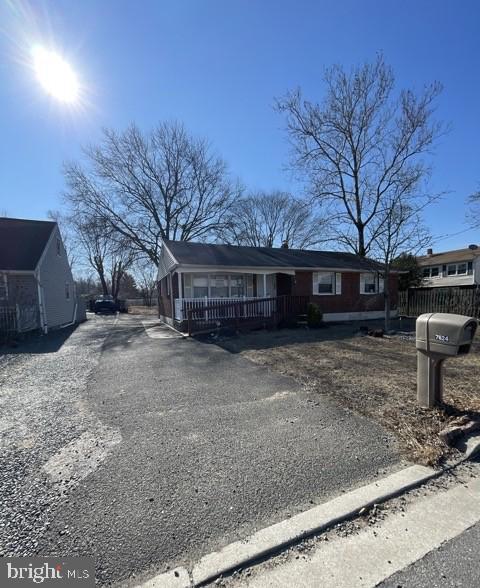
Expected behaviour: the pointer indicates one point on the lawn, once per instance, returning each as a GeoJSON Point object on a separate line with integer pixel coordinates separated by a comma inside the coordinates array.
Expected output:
{"type": "Point", "coordinates": [375, 377]}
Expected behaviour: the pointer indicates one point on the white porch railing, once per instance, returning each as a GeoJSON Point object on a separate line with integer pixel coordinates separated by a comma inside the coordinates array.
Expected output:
{"type": "Point", "coordinates": [18, 318]}
{"type": "Point", "coordinates": [183, 304]}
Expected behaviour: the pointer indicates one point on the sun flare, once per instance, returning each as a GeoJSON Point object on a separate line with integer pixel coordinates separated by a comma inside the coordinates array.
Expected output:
{"type": "Point", "coordinates": [55, 75]}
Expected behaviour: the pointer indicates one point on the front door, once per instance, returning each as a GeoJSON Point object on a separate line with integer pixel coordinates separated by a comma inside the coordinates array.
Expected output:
{"type": "Point", "coordinates": [284, 285]}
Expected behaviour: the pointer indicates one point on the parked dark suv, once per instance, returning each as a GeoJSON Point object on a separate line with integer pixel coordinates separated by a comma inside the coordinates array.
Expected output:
{"type": "Point", "coordinates": [105, 306]}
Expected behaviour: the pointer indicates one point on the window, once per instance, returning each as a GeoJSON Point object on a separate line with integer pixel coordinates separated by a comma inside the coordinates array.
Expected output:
{"type": "Point", "coordinates": [59, 246]}
{"type": "Point", "coordinates": [326, 283]}
{"type": "Point", "coordinates": [200, 286]}
{"type": "Point", "coordinates": [458, 269]}
{"type": "Point", "coordinates": [3, 287]}
{"type": "Point", "coordinates": [237, 286]}
{"type": "Point", "coordinates": [431, 272]}
{"type": "Point", "coordinates": [218, 286]}
{"type": "Point", "coordinates": [67, 290]}
{"type": "Point", "coordinates": [371, 284]}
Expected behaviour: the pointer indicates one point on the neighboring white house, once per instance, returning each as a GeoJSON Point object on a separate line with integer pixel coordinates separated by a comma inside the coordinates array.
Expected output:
{"type": "Point", "coordinates": [451, 268]}
{"type": "Point", "coordinates": [36, 281]}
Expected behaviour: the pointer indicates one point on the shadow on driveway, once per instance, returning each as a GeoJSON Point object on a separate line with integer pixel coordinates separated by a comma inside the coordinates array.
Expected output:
{"type": "Point", "coordinates": [37, 343]}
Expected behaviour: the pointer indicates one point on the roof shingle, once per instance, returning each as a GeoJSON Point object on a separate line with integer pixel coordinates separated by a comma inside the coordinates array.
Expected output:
{"type": "Point", "coordinates": [22, 243]}
{"type": "Point", "coordinates": [205, 254]}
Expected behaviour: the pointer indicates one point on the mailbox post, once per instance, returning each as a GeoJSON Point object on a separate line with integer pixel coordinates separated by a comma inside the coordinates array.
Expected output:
{"type": "Point", "coordinates": [439, 336]}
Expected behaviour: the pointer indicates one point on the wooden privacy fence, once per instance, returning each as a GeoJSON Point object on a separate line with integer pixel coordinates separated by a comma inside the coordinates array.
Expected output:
{"type": "Point", "coordinates": [454, 299]}
{"type": "Point", "coordinates": [246, 314]}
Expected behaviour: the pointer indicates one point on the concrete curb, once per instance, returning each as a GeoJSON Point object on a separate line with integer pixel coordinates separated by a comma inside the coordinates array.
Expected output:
{"type": "Point", "coordinates": [472, 446]}
{"type": "Point", "coordinates": [177, 578]}
{"type": "Point", "coordinates": [316, 520]}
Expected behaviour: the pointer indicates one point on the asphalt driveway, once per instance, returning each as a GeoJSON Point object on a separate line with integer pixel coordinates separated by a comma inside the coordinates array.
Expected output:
{"type": "Point", "coordinates": [168, 448]}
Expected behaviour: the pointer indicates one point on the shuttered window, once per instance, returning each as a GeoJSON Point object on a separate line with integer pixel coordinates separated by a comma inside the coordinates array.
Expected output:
{"type": "Point", "coordinates": [327, 283]}
{"type": "Point", "coordinates": [371, 283]}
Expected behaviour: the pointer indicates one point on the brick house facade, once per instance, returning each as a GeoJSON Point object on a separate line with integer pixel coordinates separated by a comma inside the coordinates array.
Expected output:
{"type": "Point", "coordinates": [344, 286]}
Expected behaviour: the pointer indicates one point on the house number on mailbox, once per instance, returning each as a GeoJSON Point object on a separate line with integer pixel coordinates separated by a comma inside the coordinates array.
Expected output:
{"type": "Point", "coordinates": [443, 338]}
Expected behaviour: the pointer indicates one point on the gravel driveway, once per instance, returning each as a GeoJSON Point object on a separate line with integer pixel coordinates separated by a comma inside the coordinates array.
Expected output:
{"type": "Point", "coordinates": [149, 450]}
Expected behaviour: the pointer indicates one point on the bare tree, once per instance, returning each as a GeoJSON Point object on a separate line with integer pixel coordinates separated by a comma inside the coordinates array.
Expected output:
{"type": "Point", "coordinates": [149, 187]}
{"type": "Point", "coordinates": [271, 219]}
{"type": "Point", "coordinates": [107, 253]}
{"type": "Point", "coordinates": [363, 148]}
{"type": "Point", "coordinates": [402, 231]}
{"type": "Point", "coordinates": [146, 280]}
{"type": "Point", "coordinates": [473, 215]}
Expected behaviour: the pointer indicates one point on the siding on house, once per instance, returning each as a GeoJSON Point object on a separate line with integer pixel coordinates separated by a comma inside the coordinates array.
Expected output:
{"type": "Point", "coordinates": [54, 275]}
{"type": "Point", "coordinates": [164, 299]}
{"type": "Point", "coordinates": [470, 257]}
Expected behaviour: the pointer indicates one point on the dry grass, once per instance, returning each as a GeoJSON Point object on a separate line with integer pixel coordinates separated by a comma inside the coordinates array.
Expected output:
{"type": "Point", "coordinates": [375, 377]}
{"type": "Point", "coordinates": [143, 310]}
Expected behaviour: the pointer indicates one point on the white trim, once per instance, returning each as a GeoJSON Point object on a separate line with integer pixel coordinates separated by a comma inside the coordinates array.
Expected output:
{"type": "Point", "coordinates": [173, 256]}
{"type": "Point", "coordinates": [226, 269]}
{"type": "Point", "coordinates": [274, 269]}
{"type": "Point", "coordinates": [357, 316]}
{"type": "Point", "coordinates": [17, 272]}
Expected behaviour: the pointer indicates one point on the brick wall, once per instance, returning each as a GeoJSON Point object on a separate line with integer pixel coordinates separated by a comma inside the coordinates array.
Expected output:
{"type": "Point", "coordinates": [350, 300]}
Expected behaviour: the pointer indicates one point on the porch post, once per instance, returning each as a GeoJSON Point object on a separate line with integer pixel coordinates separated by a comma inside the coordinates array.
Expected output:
{"type": "Point", "coordinates": [180, 285]}
{"type": "Point", "coordinates": [264, 285]}
{"type": "Point", "coordinates": [180, 294]}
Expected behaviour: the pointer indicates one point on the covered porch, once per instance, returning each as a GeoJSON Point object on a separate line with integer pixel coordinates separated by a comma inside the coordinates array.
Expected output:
{"type": "Point", "coordinates": [205, 289]}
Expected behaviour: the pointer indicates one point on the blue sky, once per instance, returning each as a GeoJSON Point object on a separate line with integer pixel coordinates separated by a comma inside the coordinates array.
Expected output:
{"type": "Point", "coordinates": [217, 66]}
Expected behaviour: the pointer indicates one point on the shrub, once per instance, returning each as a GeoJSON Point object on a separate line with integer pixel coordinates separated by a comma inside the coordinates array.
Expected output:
{"type": "Point", "coordinates": [314, 315]}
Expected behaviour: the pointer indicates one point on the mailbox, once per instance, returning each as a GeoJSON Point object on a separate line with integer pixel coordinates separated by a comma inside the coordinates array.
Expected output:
{"type": "Point", "coordinates": [439, 336]}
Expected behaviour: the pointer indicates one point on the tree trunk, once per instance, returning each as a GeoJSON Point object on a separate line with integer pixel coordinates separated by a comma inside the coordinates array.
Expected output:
{"type": "Point", "coordinates": [386, 294]}
{"type": "Point", "coordinates": [361, 241]}
{"type": "Point", "coordinates": [104, 283]}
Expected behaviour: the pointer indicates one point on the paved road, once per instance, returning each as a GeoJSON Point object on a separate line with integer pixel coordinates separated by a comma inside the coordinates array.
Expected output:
{"type": "Point", "coordinates": [427, 537]}
{"type": "Point", "coordinates": [456, 564]}
{"type": "Point", "coordinates": [176, 447]}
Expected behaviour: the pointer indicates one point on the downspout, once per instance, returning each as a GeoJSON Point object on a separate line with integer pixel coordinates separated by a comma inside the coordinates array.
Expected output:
{"type": "Point", "coordinates": [41, 305]}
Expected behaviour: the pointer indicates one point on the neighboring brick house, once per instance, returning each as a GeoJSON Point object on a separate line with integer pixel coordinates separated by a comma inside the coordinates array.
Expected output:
{"type": "Point", "coordinates": [35, 276]}
{"type": "Point", "coordinates": [345, 286]}
{"type": "Point", "coordinates": [460, 267]}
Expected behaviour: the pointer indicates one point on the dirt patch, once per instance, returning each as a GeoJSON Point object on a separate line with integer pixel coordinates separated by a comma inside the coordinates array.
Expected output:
{"type": "Point", "coordinates": [374, 377]}
{"type": "Point", "coordinates": [153, 310]}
